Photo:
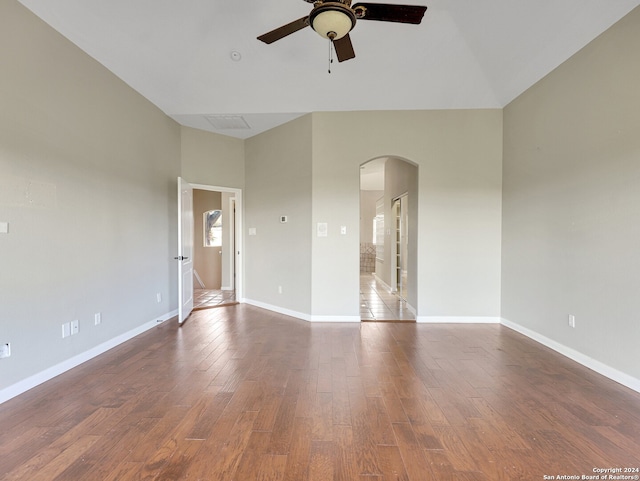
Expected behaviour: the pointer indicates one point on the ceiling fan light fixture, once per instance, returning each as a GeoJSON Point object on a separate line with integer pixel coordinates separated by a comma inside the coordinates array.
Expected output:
{"type": "Point", "coordinates": [332, 20]}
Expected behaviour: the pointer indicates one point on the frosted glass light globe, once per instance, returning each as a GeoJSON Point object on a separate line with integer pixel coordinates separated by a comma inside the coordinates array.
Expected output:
{"type": "Point", "coordinates": [332, 21]}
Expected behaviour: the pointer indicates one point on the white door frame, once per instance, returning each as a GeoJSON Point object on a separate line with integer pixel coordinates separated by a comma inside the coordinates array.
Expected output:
{"type": "Point", "coordinates": [399, 206]}
{"type": "Point", "coordinates": [231, 243]}
{"type": "Point", "coordinates": [239, 271]}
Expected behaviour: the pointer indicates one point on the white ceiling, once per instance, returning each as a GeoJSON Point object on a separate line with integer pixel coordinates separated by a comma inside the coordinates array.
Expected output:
{"type": "Point", "coordinates": [465, 54]}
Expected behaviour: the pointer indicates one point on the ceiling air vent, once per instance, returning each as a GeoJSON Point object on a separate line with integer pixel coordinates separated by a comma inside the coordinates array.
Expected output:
{"type": "Point", "coordinates": [228, 122]}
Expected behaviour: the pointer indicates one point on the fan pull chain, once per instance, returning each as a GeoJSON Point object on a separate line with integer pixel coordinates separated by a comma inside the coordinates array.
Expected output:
{"type": "Point", "coordinates": [330, 54]}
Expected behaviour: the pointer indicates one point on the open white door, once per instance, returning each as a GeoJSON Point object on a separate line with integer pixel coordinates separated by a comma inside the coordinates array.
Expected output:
{"type": "Point", "coordinates": [185, 249]}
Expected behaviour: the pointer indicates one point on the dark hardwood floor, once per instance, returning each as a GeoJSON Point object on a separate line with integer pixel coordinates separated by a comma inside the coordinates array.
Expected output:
{"type": "Point", "coordinates": [239, 393]}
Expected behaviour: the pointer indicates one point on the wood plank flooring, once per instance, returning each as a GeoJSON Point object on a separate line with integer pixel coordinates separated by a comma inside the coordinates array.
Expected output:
{"type": "Point", "coordinates": [239, 393]}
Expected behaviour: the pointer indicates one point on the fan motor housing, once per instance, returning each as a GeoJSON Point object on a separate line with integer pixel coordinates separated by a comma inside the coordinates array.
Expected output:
{"type": "Point", "coordinates": [332, 20]}
{"type": "Point", "coordinates": [346, 2]}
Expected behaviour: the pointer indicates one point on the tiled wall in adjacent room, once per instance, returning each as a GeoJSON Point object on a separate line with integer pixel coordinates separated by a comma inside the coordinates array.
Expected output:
{"type": "Point", "coordinates": [367, 257]}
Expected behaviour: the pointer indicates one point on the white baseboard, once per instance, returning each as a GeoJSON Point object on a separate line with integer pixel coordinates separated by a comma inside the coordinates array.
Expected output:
{"type": "Point", "coordinates": [278, 309]}
{"type": "Point", "coordinates": [49, 373]}
{"type": "Point", "coordinates": [335, 319]}
{"type": "Point", "coordinates": [386, 286]}
{"type": "Point", "coordinates": [225, 288]}
{"type": "Point", "coordinates": [301, 315]}
{"type": "Point", "coordinates": [458, 319]}
{"type": "Point", "coordinates": [597, 366]}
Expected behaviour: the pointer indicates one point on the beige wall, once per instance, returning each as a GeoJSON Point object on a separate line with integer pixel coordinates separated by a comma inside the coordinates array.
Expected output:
{"type": "Point", "coordinates": [368, 200]}
{"type": "Point", "coordinates": [459, 156]}
{"type": "Point", "coordinates": [572, 203]}
{"type": "Point", "coordinates": [311, 167]}
{"type": "Point", "coordinates": [207, 261]}
{"type": "Point", "coordinates": [278, 183]}
{"type": "Point", "coordinates": [88, 174]}
{"type": "Point", "coordinates": [211, 159]}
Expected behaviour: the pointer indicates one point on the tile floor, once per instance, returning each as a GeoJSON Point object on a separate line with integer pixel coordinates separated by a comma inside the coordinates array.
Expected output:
{"type": "Point", "coordinates": [205, 298]}
{"type": "Point", "coordinates": [377, 304]}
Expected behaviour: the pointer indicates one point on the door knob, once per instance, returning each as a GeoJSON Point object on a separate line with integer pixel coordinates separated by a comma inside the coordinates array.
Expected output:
{"type": "Point", "coordinates": [181, 258]}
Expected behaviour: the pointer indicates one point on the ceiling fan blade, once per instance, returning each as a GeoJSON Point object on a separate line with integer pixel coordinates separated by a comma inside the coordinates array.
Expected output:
{"type": "Point", "coordinates": [344, 48]}
{"type": "Point", "coordinates": [285, 30]}
{"type": "Point", "coordinates": [385, 12]}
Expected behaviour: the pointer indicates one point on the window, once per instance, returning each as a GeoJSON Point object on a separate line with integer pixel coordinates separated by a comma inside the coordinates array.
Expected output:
{"type": "Point", "coordinates": [212, 221]}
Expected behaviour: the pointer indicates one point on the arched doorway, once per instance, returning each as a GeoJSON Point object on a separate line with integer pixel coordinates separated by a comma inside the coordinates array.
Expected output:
{"type": "Point", "coordinates": [388, 239]}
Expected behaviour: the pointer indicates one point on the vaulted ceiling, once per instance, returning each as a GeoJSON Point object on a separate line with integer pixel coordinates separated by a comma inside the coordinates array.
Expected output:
{"type": "Point", "coordinates": [200, 62]}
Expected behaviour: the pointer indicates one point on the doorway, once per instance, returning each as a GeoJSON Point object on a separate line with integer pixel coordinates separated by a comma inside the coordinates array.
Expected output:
{"type": "Point", "coordinates": [217, 246]}
{"type": "Point", "coordinates": [213, 274]}
{"type": "Point", "coordinates": [388, 232]}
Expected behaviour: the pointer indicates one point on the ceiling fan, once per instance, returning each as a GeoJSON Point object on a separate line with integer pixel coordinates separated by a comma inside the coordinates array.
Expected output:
{"type": "Point", "coordinates": [334, 19]}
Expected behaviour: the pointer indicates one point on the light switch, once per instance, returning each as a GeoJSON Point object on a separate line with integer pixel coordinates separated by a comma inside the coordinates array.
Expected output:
{"type": "Point", "coordinates": [4, 227]}
{"type": "Point", "coordinates": [252, 231]}
{"type": "Point", "coordinates": [343, 229]}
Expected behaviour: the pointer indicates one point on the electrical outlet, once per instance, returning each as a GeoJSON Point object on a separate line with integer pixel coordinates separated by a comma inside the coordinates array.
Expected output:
{"type": "Point", "coordinates": [159, 297]}
{"type": "Point", "coordinates": [5, 350]}
{"type": "Point", "coordinates": [279, 289]}
{"type": "Point", "coordinates": [74, 327]}
{"type": "Point", "coordinates": [97, 318]}
{"type": "Point", "coordinates": [572, 320]}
